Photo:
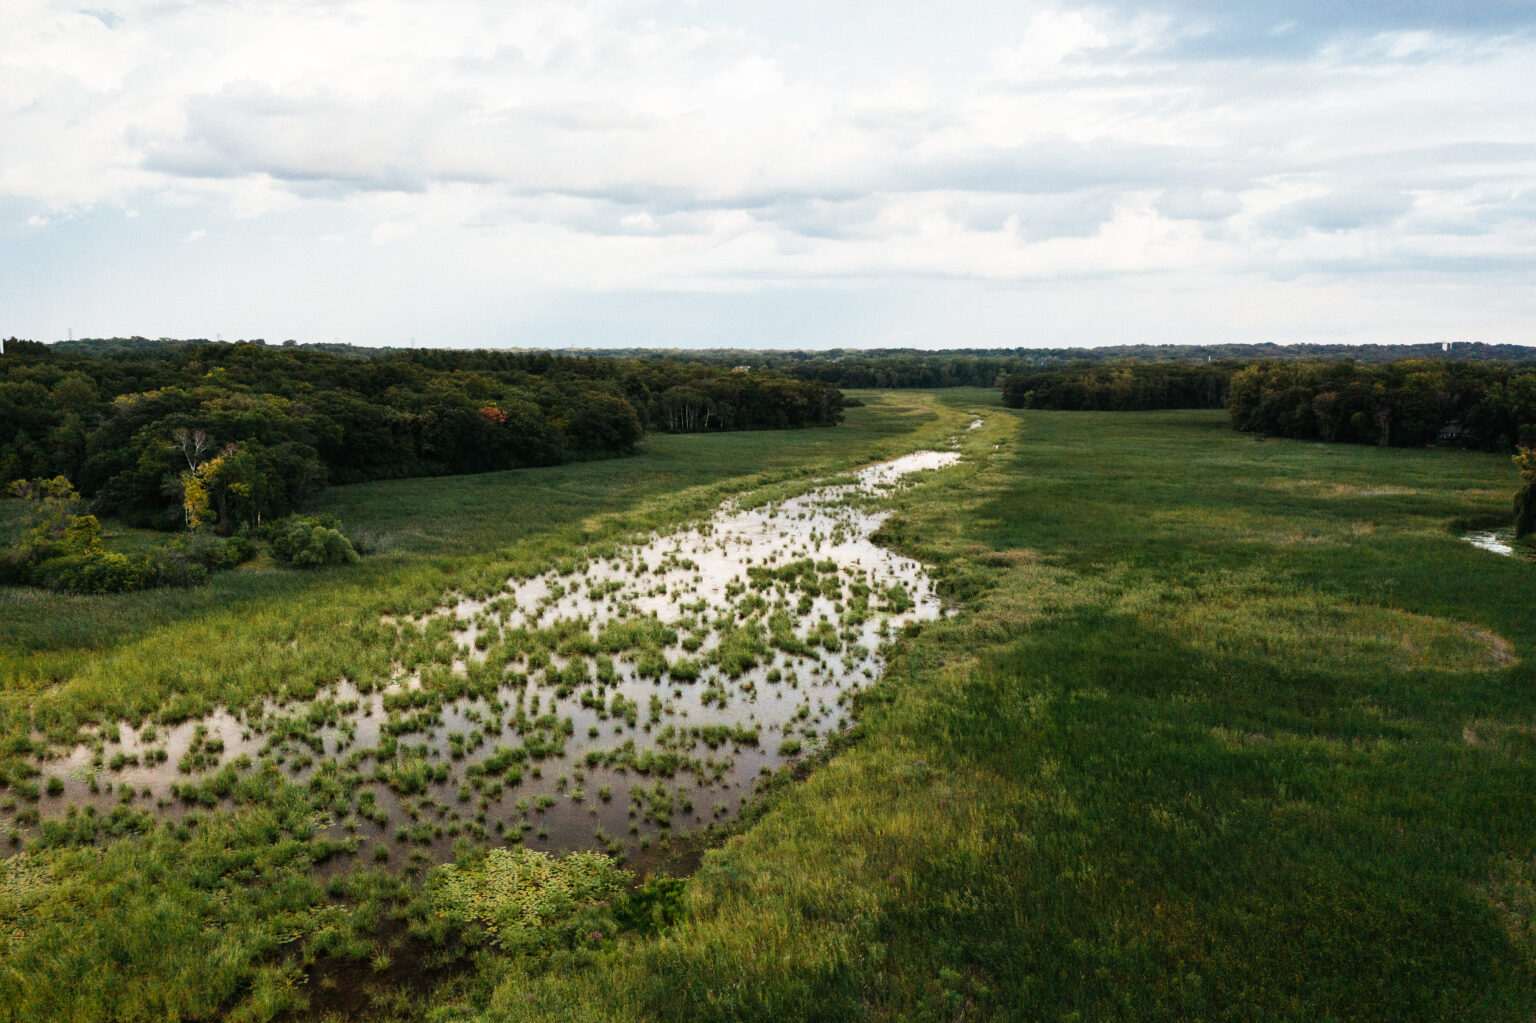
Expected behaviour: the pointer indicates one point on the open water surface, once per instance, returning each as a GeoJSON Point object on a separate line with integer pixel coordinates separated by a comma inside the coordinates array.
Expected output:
{"type": "Point", "coordinates": [633, 699]}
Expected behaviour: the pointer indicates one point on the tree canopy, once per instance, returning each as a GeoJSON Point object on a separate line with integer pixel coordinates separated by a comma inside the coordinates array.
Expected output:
{"type": "Point", "coordinates": [1401, 404]}
{"type": "Point", "coordinates": [170, 434]}
{"type": "Point", "coordinates": [1127, 386]}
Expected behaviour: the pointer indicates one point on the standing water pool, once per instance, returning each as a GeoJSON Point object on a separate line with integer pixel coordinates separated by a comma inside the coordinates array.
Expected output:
{"type": "Point", "coordinates": [614, 705]}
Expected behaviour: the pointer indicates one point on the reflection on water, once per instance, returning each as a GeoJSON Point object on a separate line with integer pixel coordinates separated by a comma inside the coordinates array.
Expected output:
{"type": "Point", "coordinates": [612, 705]}
{"type": "Point", "coordinates": [1499, 541]}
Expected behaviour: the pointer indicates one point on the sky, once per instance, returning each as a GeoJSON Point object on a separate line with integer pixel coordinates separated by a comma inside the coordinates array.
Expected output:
{"type": "Point", "coordinates": [483, 173]}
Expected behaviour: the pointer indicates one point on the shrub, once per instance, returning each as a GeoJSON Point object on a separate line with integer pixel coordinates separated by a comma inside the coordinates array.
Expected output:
{"type": "Point", "coordinates": [64, 552]}
{"type": "Point", "coordinates": [212, 552]}
{"type": "Point", "coordinates": [15, 567]}
{"type": "Point", "coordinates": [96, 572]}
{"type": "Point", "coordinates": [306, 542]}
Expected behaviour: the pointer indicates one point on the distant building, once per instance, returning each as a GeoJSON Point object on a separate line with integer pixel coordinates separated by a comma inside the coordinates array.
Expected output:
{"type": "Point", "coordinates": [741, 369]}
{"type": "Point", "coordinates": [1454, 435]}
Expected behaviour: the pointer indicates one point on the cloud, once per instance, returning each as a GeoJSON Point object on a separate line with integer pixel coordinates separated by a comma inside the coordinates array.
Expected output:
{"type": "Point", "coordinates": [1295, 29]}
{"type": "Point", "coordinates": [1338, 211]}
{"type": "Point", "coordinates": [249, 130]}
{"type": "Point", "coordinates": [111, 19]}
{"type": "Point", "coordinates": [738, 147]}
{"type": "Point", "coordinates": [1197, 203]}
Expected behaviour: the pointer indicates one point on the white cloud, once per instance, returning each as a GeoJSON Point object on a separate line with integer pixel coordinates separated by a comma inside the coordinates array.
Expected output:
{"type": "Point", "coordinates": [1050, 40]}
{"type": "Point", "coordinates": [614, 146]}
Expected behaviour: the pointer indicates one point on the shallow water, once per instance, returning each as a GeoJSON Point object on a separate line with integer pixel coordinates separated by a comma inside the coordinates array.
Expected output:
{"type": "Point", "coordinates": [1497, 541]}
{"type": "Point", "coordinates": [636, 698]}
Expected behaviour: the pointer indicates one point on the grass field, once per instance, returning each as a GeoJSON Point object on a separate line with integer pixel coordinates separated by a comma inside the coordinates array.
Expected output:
{"type": "Point", "coordinates": [1228, 730]}
{"type": "Point", "coordinates": [1224, 729]}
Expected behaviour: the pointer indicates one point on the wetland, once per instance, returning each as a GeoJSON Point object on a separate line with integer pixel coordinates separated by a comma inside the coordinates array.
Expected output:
{"type": "Point", "coordinates": [603, 703]}
{"type": "Point", "coordinates": [1090, 715]}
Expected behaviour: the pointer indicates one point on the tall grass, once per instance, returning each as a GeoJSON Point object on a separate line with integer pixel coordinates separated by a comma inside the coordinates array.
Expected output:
{"type": "Point", "coordinates": [197, 915]}
{"type": "Point", "coordinates": [1229, 730]}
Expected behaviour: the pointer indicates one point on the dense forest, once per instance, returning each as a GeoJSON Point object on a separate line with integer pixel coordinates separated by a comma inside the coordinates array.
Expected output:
{"type": "Point", "coordinates": [1407, 403]}
{"type": "Point", "coordinates": [1401, 404]}
{"type": "Point", "coordinates": [983, 367]}
{"type": "Point", "coordinates": [257, 428]}
{"type": "Point", "coordinates": [1121, 386]}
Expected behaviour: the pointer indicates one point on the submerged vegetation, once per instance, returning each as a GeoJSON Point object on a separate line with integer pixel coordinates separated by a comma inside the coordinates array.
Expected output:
{"type": "Point", "coordinates": [1260, 749]}
{"type": "Point", "coordinates": [273, 790]}
{"type": "Point", "coordinates": [1258, 752]}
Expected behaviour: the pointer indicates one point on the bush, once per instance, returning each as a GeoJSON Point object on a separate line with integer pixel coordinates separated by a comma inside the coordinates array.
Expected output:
{"type": "Point", "coordinates": [96, 572]}
{"type": "Point", "coordinates": [181, 572]}
{"type": "Point", "coordinates": [306, 542]}
{"type": "Point", "coordinates": [212, 552]}
{"type": "Point", "coordinates": [15, 567]}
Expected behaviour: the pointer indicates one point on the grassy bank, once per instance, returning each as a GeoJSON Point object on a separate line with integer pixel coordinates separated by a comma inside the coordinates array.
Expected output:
{"type": "Point", "coordinates": [1229, 730]}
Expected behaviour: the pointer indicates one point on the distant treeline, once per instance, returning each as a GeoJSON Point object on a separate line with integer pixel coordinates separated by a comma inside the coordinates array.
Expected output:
{"type": "Point", "coordinates": [254, 428]}
{"type": "Point", "coordinates": [910, 367]}
{"type": "Point", "coordinates": [1407, 403]}
{"type": "Point", "coordinates": [1402, 404]}
{"type": "Point", "coordinates": [1121, 386]}
{"type": "Point", "coordinates": [991, 367]}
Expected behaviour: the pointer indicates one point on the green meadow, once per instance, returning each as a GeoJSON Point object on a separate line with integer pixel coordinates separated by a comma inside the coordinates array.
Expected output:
{"type": "Point", "coordinates": [1220, 728]}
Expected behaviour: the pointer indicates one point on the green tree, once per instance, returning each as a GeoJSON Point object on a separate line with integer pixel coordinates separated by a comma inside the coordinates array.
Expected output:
{"type": "Point", "coordinates": [196, 503]}
{"type": "Point", "coordinates": [51, 507]}
{"type": "Point", "coordinates": [1525, 500]}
